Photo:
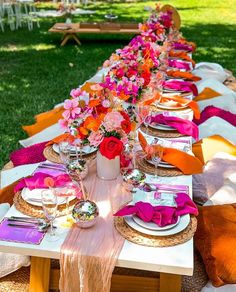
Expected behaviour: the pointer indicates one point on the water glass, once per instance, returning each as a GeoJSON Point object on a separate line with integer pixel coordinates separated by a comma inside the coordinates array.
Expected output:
{"type": "Point", "coordinates": [49, 205]}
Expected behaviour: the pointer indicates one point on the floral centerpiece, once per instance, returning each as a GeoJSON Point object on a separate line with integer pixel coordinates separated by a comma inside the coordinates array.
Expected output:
{"type": "Point", "coordinates": [66, 9]}
{"type": "Point", "coordinates": [96, 120]}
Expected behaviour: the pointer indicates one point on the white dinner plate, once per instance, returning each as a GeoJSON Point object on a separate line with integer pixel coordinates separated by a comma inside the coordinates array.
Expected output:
{"type": "Point", "coordinates": [161, 127]}
{"type": "Point", "coordinates": [86, 149]}
{"type": "Point", "coordinates": [152, 225]}
{"type": "Point", "coordinates": [183, 223]}
{"type": "Point", "coordinates": [177, 107]}
{"type": "Point", "coordinates": [161, 164]}
{"type": "Point", "coordinates": [29, 196]}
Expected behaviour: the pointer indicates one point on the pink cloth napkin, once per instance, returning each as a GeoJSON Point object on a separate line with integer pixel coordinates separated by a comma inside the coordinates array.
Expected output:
{"type": "Point", "coordinates": [212, 111]}
{"type": "Point", "coordinates": [184, 47]}
{"type": "Point", "coordinates": [28, 155]}
{"type": "Point", "coordinates": [37, 181]}
{"type": "Point", "coordinates": [180, 65]}
{"type": "Point", "coordinates": [161, 215]}
{"type": "Point", "coordinates": [183, 126]}
{"type": "Point", "coordinates": [186, 86]}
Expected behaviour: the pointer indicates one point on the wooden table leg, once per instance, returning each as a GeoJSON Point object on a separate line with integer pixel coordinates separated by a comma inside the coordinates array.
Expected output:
{"type": "Point", "coordinates": [68, 36]}
{"type": "Point", "coordinates": [170, 282]}
{"type": "Point", "coordinates": [39, 274]}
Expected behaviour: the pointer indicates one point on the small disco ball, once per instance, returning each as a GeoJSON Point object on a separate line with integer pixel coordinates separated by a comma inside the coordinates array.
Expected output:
{"type": "Point", "coordinates": [85, 213]}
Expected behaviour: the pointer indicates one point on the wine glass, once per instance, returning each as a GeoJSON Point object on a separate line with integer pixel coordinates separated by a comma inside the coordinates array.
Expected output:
{"type": "Point", "coordinates": [49, 205]}
{"type": "Point", "coordinates": [69, 189]}
{"type": "Point", "coordinates": [143, 113]}
{"type": "Point", "coordinates": [64, 151]}
{"type": "Point", "coordinates": [156, 159]}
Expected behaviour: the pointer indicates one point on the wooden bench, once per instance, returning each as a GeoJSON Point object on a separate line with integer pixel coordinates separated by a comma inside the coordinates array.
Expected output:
{"type": "Point", "coordinates": [71, 30]}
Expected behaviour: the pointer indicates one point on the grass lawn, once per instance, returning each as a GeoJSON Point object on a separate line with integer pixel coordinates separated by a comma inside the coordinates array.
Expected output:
{"type": "Point", "coordinates": [36, 73]}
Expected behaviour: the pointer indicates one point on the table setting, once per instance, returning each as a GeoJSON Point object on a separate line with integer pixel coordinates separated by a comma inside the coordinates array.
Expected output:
{"type": "Point", "coordinates": [110, 169]}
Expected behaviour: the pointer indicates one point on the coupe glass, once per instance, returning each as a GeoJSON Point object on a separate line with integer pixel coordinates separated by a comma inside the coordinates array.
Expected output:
{"type": "Point", "coordinates": [49, 204]}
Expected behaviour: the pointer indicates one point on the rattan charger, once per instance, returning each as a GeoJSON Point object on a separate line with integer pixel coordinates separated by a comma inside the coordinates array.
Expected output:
{"type": "Point", "coordinates": [155, 241]}
{"type": "Point", "coordinates": [37, 211]}
{"type": "Point", "coordinates": [160, 133]}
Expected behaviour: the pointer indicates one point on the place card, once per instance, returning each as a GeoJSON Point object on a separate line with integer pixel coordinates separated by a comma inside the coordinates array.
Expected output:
{"type": "Point", "coordinates": [19, 234]}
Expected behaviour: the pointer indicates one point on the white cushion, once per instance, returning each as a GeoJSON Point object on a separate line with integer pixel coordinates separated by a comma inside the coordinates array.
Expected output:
{"type": "Point", "coordinates": [217, 126]}
{"type": "Point", "coordinates": [226, 102]}
{"type": "Point", "coordinates": [215, 85]}
{"type": "Point", "coordinates": [226, 288]}
{"type": "Point", "coordinates": [210, 70]}
{"type": "Point", "coordinates": [9, 262]}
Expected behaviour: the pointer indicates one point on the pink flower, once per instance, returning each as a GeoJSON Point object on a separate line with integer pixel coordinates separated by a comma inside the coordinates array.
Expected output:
{"type": "Point", "coordinates": [95, 138]}
{"type": "Point", "coordinates": [107, 63]}
{"type": "Point", "coordinates": [75, 92]}
{"type": "Point", "coordinates": [106, 103]}
{"type": "Point", "coordinates": [112, 121]}
{"type": "Point", "coordinates": [72, 109]}
{"type": "Point", "coordinates": [64, 123]}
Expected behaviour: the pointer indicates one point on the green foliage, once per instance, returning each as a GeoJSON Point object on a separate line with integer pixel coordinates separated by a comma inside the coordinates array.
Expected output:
{"type": "Point", "coordinates": [36, 73]}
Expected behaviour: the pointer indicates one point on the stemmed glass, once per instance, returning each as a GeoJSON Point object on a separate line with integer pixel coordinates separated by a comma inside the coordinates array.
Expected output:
{"type": "Point", "coordinates": [49, 205]}
{"type": "Point", "coordinates": [156, 159]}
{"type": "Point", "coordinates": [144, 115]}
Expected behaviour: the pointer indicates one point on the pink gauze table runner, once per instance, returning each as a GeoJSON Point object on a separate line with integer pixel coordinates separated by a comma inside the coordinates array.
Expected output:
{"type": "Point", "coordinates": [88, 256]}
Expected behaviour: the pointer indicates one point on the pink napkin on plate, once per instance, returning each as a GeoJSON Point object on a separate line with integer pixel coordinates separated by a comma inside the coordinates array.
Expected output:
{"type": "Point", "coordinates": [183, 47]}
{"type": "Point", "coordinates": [183, 126]}
{"type": "Point", "coordinates": [186, 86]}
{"type": "Point", "coordinates": [161, 215]}
{"type": "Point", "coordinates": [180, 65]}
{"type": "Point", "coordinates": [37, 181]}
{"type": "Point", "coordinates": [212, 111]}
{"type": "Point", "coordinates": [28, 155]}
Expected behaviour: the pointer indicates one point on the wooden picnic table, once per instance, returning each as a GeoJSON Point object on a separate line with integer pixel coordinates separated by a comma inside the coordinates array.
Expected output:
{"type": "Point", "coordinates": [71, 30]}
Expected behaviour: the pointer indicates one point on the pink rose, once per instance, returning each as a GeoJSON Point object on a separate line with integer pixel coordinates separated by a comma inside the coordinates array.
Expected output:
{"type": "Point", "coordinates": [112, 121]}
{"type": "Point", "coordinates": [95, 138]}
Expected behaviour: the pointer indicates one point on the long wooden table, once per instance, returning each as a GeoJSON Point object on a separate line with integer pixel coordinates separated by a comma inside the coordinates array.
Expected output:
{"type": "Point", "coordinates": [70, 31]}
{"type": "Point", "coordinates": [170, 262]}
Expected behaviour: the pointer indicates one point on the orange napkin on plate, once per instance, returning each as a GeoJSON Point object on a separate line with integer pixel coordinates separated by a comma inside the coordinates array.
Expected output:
{"type": "Point", "coordinates": [7, 193]}
{"type": "Point", "coordinates": [180, 101]}
{"type": "Point", "coordinates": [44, 120]}
{"type": "Point", "coordinates": [63, 137]}
{"type": "Point", "coordinates": [181, 55]}
{"type": "Point", "coordinates": [207, 93]}
{"type": "Point", "coordinates": [188, 164]}
{"type": "Point", "coordinates": [183, 75]}
{"type": "Point", "coordinates": [206, 148]}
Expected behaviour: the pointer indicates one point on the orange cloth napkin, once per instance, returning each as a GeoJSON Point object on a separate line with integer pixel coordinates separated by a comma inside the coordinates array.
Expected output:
{"type": "Point", "coordinates": [188, 164]}
{"type": "Point", "coordinates": [180, 101]}
{"type": "Point", "coordinates": [87, 87]}
{"type": "Point", "coordinates": [206, 148]}
{"type": "Point", "coordinates": [184, 75]}
{"type": "Point", "coordinates": [44, 120]}
{"type": "Point", "coordinates": [63, 137]}
{"type": "Point", "coordinates": [207, 93]}
{"type": "Point", "coordinates": [7, 193]}
{"type": "Point", "coordinates": [181, 55]}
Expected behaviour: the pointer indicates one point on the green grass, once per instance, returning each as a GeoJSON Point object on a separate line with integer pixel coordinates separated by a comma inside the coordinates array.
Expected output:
{"type": "Point", "coordinates": [36, 73]}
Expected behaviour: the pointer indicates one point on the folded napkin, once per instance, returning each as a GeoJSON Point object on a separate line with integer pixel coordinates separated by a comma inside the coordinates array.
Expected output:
{"type": "Point", "coordinates": [28, 155]}
{"type": "Point", "coordinates": [161, 215]}
{"type": "Point", "coordinates": [37, 181]}
{"type": "Point", "coordinates": [61, 138]}
{"type": "Point", "coordinates": [175, 100]}
{"type": "Point", "coordinates": [44, 120]}
{"type": "Point", "coordinates": [183, 75]}
{"type": "Point", "coordinates": [188, 164]}
{"type": "Point", "coordinates": [7, 193]}
{"type": "Point", "coordinates": [185, 86]}
{"type": "Point", "coordinates": [182, 47]}
{"type": "Point", "coordinates": [43, 136]}
{"type": "Point", "coordinates": [183, 126]}
{"type": "Point", "coordinates": [207, 147]}
{"type": "Point", "coordinates": [179, 65]}
{"type": "Point", "coordinates": [181, 55]}
{"type": "Point", "coordinates": [212, 111]}
{"type": "Point", "coordinates": [207, 93]}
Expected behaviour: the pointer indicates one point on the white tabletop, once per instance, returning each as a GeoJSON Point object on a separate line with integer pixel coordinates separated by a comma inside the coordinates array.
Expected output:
{"type": "Point", "coordinates": [177, 259]}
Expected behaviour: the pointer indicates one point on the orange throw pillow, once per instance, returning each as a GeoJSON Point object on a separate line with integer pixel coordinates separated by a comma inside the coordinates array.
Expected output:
{"type": "Point", "coordinates": [216, 241]}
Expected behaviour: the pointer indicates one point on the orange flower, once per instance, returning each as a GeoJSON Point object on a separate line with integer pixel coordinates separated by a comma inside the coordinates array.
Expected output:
{"type": "Point", "coordinates": [123, 96]}
{"type": "Point", "coordinates": [94, 102]}
{"type": "Point", "coordinates": [91, 123]}
{"type": "Point", "coordinates": [83, 131]}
